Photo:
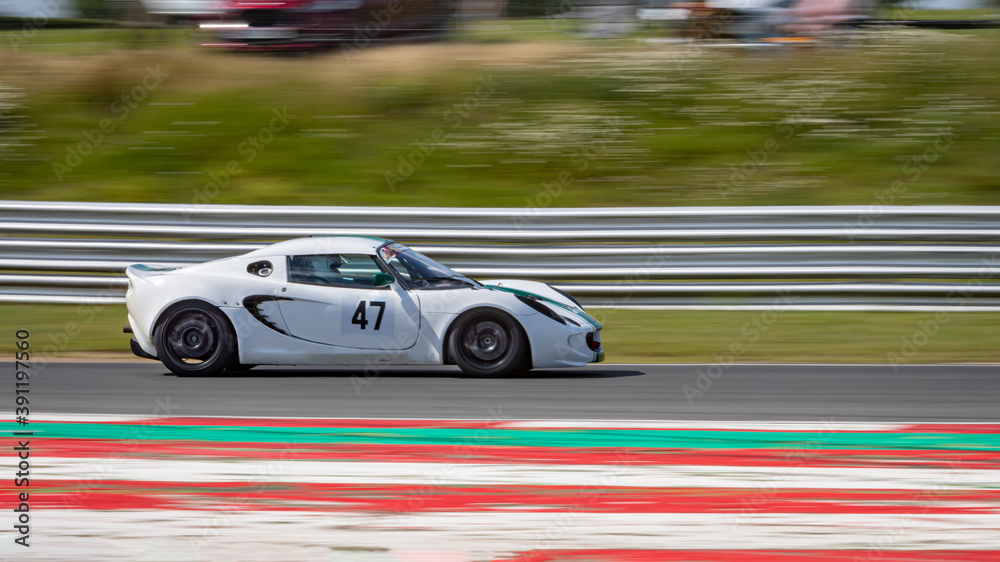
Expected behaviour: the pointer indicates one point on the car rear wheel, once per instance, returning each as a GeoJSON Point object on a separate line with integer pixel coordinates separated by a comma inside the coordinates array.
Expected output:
{"type": "Point", "coordinates": [489, 343]}
{"type": "Point", "coordinates": [195, 339]}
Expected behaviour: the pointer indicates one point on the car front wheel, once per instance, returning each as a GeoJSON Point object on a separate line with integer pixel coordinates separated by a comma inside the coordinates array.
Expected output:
{"type": "Point", "coordinates": [489, 343]}
{"type": "Point", "coordinates": [195, 339]}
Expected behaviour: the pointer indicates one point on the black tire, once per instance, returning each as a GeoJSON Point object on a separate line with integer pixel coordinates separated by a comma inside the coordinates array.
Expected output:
{"type": "Point", "coordinates": [488, 343]}
{"type": "Point", "coordinates": [195, 338]}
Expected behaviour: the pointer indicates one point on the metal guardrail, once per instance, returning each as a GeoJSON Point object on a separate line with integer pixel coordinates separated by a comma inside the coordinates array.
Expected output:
{"type": "Point", "coordinates": [820, 258]}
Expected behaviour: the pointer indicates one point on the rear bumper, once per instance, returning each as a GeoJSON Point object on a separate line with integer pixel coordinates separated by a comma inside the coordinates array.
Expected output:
{"type": "Point", "coordinates": [141, 333]}
{"type": "Point", "coordinates": [138, 351]}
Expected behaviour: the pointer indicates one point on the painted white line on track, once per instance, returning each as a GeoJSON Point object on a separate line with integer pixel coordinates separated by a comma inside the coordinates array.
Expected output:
{"type": "Point", "coordinates": [462, 474]}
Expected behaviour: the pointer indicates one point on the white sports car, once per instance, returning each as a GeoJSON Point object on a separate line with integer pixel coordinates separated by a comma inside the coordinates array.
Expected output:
{"type": "Point", "coordinates": [347, 300]}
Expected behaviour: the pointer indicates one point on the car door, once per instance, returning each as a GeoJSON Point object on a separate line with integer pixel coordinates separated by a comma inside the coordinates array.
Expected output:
{"type": "Point", "coordinates": [332, 299]}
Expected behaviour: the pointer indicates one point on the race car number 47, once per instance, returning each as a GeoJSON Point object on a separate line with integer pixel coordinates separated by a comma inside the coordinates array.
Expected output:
{"type": "Point", "coordinates": [368, 317]}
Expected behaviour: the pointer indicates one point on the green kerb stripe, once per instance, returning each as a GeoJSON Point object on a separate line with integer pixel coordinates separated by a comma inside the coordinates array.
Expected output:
{"type": "Point", "coordinates": [589, 438]}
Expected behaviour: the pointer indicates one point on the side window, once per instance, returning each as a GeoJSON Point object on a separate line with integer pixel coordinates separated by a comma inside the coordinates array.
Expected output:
{"type": "Point", "coordinates": [390, 254]}
{"type": "Point", "coordinates": [395, 264]}
{"type": "Point", "coordinates": [354, 271]}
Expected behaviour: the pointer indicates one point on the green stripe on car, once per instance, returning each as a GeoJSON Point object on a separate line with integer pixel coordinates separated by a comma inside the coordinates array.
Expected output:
{"type": "Point", "coordinates": [576, 311]}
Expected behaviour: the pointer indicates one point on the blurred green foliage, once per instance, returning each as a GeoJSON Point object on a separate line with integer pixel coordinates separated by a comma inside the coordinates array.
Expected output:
{"type": "Point", "coordinates": [623, 122]}
{"type": "Point", "coordinates": [101, 9]}
{"type": "Point", "coordinates": [539, 8]}
{"type": "Point", "coordinates": [646, 336]}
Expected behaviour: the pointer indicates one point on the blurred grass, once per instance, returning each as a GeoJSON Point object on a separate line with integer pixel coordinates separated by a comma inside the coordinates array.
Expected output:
{"type": "Point", "coordinates": [92, 40]}
{"type": "Point", "coordinates": [59, 329]}
{"type": "Point", "coordinates": [635, 336]}
{"type": "Point", "coordinates": [638, 336]}
{"type": "Point", "coordinates": [631, 123]}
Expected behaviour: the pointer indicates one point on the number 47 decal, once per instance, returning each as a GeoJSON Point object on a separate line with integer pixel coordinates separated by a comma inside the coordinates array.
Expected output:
{"type": "Point", "coordinates": [360, 317]}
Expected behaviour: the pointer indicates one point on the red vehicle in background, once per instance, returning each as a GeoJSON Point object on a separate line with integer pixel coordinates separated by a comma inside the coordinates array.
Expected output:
{"type": "Point", "coordinates": [315, 24]}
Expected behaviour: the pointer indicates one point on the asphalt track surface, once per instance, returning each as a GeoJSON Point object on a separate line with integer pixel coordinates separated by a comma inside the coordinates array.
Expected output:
{"type": "Point", "coordinates": [967, 393]}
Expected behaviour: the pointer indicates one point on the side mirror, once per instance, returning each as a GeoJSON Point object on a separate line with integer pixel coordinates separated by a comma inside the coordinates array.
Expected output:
{"type": "Point", "coordinates": [382, 279]}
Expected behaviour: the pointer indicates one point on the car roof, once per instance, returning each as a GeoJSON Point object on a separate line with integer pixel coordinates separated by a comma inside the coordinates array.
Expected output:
{"type": "Point", "coordinates": [322, 245]}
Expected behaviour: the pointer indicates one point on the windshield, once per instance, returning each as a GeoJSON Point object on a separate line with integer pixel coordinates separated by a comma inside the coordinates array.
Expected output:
{"type": "Point", "coordinates": [419, 271]}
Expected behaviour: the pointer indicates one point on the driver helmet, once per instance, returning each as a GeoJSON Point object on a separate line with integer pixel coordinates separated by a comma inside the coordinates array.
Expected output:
{"type": "Point", "coordinates": [333, 263]}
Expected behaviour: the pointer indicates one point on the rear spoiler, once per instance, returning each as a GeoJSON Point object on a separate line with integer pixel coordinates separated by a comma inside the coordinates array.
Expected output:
{"type": "Point", "coordinates": [141, 270]}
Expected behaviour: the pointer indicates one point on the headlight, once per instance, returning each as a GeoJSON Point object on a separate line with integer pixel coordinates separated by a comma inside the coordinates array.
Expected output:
{"type": "Point", "coordinates": [544, 309]}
